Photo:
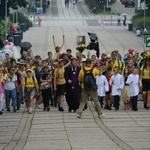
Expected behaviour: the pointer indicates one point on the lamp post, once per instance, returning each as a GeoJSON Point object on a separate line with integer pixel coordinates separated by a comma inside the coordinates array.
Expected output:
{"type": "Point", "coordinates": [34, 13]}
{"type": "Point", "coordinates": [144, 14]}
{"type": "Point", "coordinates": [6, 19]}
{"type": "Point", "coordinates": [28, 9]}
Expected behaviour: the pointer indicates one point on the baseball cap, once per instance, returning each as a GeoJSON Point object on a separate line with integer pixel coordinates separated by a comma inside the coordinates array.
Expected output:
{"type": "Point", "coordinates": [29, 70]}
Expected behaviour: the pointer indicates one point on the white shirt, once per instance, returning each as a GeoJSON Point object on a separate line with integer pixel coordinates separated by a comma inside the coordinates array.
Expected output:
{"type": "Point", "coordinates": [102, 84]}
{"type": "Point", "coordinates": [133, 81]}
{"type": "Point", "coordinates": [9, 84]}
{"type": "Point", "coordinates": [117, 83]}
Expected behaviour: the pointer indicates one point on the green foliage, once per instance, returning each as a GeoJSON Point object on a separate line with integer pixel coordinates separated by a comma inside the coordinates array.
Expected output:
{"type": "Point", "coordinates": [2, 29]}
{"type": "Point", "coordinates": [138, 21]}
{"type": "Point", "coordinates": [96, 3]}
{"type": "Point", "coordinates": [11, 3]}
{"type": "Point", "coordinates": [22, 19]}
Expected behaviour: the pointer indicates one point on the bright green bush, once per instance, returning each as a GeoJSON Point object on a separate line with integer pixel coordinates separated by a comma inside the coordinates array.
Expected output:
{"type": "Point", "coordinates": [138, 21]}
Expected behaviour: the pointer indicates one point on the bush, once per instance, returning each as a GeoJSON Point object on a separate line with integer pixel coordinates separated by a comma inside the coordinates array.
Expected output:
{"type": "Point", "coordinates": [3, 28]}
{"type": "Point", "coordinates": [22, 19]}
{"type": "Point", "coordinates": [95, 3]}
{"type": "Point", "coordinates": [138, 21]}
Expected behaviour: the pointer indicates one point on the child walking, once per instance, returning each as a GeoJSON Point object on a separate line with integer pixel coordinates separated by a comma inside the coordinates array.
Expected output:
{"type": "Point", "coordinates": [117, 85]}
{"type": "Point", "coordinates": [125, 91]}
{"type": "Point", "coordinates": [1, 91]}
{"type": "Point", "coordinates": [103, 86]}
{"type": "Point", "coordinates": [133, 81]}
{"type": "Point", "coordinates": [108, 97]}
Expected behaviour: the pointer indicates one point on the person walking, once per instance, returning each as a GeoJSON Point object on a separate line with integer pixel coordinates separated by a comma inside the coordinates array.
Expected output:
{"type": "Point", "coordinates": [119, 20]}
{"type": "Point", "coordinates": [73, 89]}
{"type": "Point", "coordinates": [29, 87]}
{"type": "Point", "coordinates": [103, 86]}
{"type": "Point", "coordinates": [46, 87]}
{"type": "Point", "coordinates": [87, 74]}
{"type": "Point", "coordinates": [117, 84]}
{"type": "Point", "coordinates": [124, 20]}
{"type": "Point", "coordinates": [39, 21]}
{"type": "Point", "coordinates": [59, 83]}
{"type": "Point", "coordinates": [145, 78]}
{"type": "Point", "coordinates": [32, 20]}
{"type": "Point", "coordinates": [10, 84]}
{"type": "Point", "coordinates": [1, 91]}
{"type": "Point", "coordinates": [125, 91]}
{"type": "Point", "coordinates": [133, 81]}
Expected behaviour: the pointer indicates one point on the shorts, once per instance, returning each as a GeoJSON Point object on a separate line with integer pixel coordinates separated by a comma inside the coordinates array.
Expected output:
{"type": "Point", "coordinates": [60, 90]}
{"type": "Point", "coordinates": [29, 92]}
{"type": "Point", "coordinates": [146, 84]}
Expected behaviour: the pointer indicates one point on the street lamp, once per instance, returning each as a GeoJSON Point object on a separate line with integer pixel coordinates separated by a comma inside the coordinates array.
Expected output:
{"type": "Point", "coordinates": [28, 9]}
{"type": "Point", "coordinates": [5, 19]}
{"type": "Point", "coordinates": [144, 13]}
{"type": "Point", "coordinates": [34, 12]}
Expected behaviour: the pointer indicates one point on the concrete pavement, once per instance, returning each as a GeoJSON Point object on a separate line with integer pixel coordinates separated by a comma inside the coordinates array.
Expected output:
{"type": "Point", "coordinates": [56, 130]}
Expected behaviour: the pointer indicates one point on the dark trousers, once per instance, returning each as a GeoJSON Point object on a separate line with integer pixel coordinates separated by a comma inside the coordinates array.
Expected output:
{"type": "Point", "coordinates": [73, 100]}
{"type": "Point", "coordinates": [46, 94]}
{"type": "Point", "coordinates": [134, 102]}
{"type": "Point", "coordinates": [101, 100]}
{"type": "Point", "coordinates": [116, 101]}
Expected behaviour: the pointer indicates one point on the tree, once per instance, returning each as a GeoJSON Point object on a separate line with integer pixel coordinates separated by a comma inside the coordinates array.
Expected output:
{"type": "Point", "coordinates": [11, 3]}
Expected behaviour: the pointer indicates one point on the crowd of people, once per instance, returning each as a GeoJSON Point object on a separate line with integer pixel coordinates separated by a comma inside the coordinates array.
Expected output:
{"type": "Point", "coordinates": [105, 81]}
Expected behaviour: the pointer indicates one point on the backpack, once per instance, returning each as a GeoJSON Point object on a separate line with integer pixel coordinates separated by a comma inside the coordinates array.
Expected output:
{"type": "Point", "coordinates": [89, 80]}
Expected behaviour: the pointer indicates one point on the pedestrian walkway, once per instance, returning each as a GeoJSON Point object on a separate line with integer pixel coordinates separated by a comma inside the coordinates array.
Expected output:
{"type": "Point", "coordinates": [56, 130]}
{"type": "Point", "coordinates": [59, 15]}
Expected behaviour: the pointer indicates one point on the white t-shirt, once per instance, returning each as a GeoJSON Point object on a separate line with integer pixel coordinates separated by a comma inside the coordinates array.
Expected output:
{"type": "Point", "coordinates": [9, 84]}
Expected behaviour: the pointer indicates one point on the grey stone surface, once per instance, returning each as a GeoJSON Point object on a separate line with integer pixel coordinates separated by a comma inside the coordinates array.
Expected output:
{"type": "Point", "coordinates": [56, 130]}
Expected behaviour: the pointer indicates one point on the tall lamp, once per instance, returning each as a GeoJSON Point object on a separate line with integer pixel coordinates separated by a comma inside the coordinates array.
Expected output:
{"type": "Point", "coordinates": [6, 19]}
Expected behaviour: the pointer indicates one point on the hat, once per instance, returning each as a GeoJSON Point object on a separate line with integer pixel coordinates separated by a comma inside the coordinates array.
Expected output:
{"type": "Point", "coordinates": [73, 58]}
{"type": "Point", "coordinates": [130, 50]}
{"type": "Point", "coordinates": [108, 56]}
{"type": "Point", "coordinates": [83, 60]}
{"type": "Point", "coordinates": [21, 62]}
{"type": "Point", "coordinates": [88, 60]}
{"type": "Point", "coordinates": [29, 70]}
{"type": "Point", "coordinates": [115, 51]}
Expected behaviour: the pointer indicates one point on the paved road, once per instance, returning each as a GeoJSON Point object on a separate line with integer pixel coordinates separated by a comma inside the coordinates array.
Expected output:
{"type": "Point", "coordinates": [76, 21]}
{"type": "Point", "coordinates": [55, 130]}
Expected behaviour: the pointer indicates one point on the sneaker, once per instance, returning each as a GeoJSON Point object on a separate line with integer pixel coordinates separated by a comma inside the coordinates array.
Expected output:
{"type": "Point", "coordinates": [135, 109]}
{"type": "Point", "coordinates": [125, 107]}
{"type": "Point", "coordinates": [30, 111]}
{"type": "Point", "coordinates": [8, 109]}
{"type": "Point", "coordinates": [44, 109]}
{"type": "Point", "coordinates": [22, 102]}
{"type": "Point", "coordinates": [39, 107]}
{"type": "Point", "coordinates": [101, 115]}
{"type": "Point", "coordinates": [78, 115]}
{"type": "Point", "coordinates": [14, 109]}
{"type": "Point", "coordinates": [1, 112]}
{"type": "Point", "coordinates": [61, 109]}
{"type": "Point", "coordinates": [48, 108]}
{"type": "Point", "coordinates": [128, 107]}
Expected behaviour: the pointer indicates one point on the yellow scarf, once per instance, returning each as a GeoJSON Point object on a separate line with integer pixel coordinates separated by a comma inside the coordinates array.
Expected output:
{"type": "Point", "coordinates": [1, 77]}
